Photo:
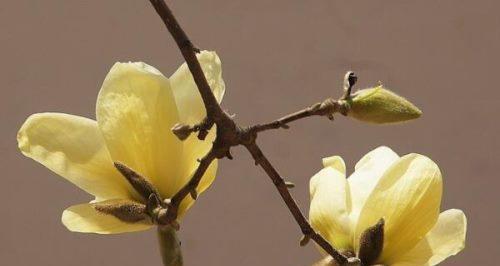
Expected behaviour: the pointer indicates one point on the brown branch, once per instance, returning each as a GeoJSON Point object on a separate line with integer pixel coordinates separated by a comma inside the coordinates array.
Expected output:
{"type": "Point", "coordinates": [189, 51]}
{"type": "Point", "coordinates": [326, 108]}
{"type": "Point", "coordinates": [189, 188]}
{"type": "Point", "coordinates": [229, 134]}
{"type": "Point", "coordinates": [278, 181]}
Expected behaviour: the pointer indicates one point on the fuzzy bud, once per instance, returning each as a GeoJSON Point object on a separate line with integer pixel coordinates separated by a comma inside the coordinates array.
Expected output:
{"type": "Point", "coordinates": [371, 243]}
{"type": "Point", "coordinates": [182, 131]}
{"type": "Point", "coordinates": [126, 211]}
{"type": "Point", "coordinates": [381, 106]}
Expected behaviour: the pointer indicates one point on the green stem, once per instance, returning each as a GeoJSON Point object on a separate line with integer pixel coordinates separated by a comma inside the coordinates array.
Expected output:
{"type": "Point", "coordinates": [170, 246]}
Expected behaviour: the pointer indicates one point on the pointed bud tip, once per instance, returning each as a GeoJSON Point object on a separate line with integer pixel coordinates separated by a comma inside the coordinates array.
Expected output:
{"type": "Point", "coordinates": [304, 240]}
{"type": "Point", "coordinates": [194, 194]}
{"type": "Point", "coordinates": [123, 169]}
{"type": "Point", "coordinates": [118, 165]}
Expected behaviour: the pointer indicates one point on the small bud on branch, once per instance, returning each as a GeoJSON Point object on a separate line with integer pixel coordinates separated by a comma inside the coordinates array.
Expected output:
{"type": "Point", "coordinates": [304, 240]}
{"type": "Point", "coordinates": [182, 131]}
{"type": "Point", "coordinates": [229, 134]}
{"type": "Point", "coordinates": [381, 106]}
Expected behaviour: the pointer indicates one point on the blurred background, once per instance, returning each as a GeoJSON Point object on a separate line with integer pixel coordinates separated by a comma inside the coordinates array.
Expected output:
{"type": "Point", "coordinates": [278, 57]}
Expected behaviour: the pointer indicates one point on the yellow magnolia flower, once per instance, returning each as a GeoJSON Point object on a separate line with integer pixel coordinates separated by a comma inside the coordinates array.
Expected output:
{"type": "Point", "coordinates": [403, 191]}
{"type": "Point", "coordinates": [136, 108]}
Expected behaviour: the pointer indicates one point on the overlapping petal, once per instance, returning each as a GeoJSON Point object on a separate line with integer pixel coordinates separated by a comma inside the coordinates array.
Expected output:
{"type": "Point", "coordinates": [445, 239]}
{"type": "Point", "coordinates": [191, 111]}
{"type": "Point", "coordinates": [136, 109]}
{"type": "Point", "coordinates": [135, 112]}
{"type": "Point", "coordinates": [84, 218]}
{"type": "Point", "coordinates": [187, 97]}
{"type": "Point", "coordinates": [72, 147]}
{"type": "Point", "coordinates": [367, 174]}
{"type": "Point", "coordinates": [331, 203]}
{"type": "Point", "coordinates": [408, 197]}
{"type": "Point", "coordinates": [205, 182]}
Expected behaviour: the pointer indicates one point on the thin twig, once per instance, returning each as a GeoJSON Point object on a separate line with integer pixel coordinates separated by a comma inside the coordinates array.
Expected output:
{"type": "Point", "coordinates": [326, 108]}
{"type": "Point", "coordinates": [278, 181]}
{"type": "Point", "coordinates": [189, 188]}
{"type": "Point", "coordinates": [229, 135]}
{"type": "Point", "coordinates": [189, 51]}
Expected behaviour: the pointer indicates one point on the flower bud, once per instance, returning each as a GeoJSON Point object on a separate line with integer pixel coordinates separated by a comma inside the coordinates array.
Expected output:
{"type": "Point", "coordinates": [381, 106]}
{"type": "Point", "coordinates": [182, 131]}
{"type": "Point", "coordinates": [126, 211]}
{"type": "Point", "coordinates": [371, 243]}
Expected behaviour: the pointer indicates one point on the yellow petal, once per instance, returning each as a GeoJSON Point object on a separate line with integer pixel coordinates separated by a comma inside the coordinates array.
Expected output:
{"type": "Point", "coordinates": [84, 218]}
{"type": "Point", "coordinates": [187, 97]}
{"type": "Point", "coordinates": [408, 197]}
{"type": "Point", "coordinates": [135, 112]}
{"type": "Point", "coordinates": [330, 206]}
{"type": "Point", "coordinates": [205, 182]}
{"type": "Point", "coordinates": [191, 111]}
{"type": "Point", "coordinates": [336, 162]}
{"type": "Point", "coordinates": [366, 176]}
{"type": "Point", "coordinates": [72, 147]}
{"type": "Point", "coordinates": [445, 239]}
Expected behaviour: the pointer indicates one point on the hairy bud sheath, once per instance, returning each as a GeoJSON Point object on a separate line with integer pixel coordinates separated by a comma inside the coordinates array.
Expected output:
{"type": "Point", "coordinates": [371, 243]}
{"type": "Point", "coordinates": [381, 106]}
{"type": "Point", "coordinates": [129, 212]}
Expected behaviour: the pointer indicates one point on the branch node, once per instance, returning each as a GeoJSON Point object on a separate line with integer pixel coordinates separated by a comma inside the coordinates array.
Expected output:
{"type": "Point", "coordinates": [304, 240]}
{"type": "Point", "coordinates": [229, 134]}
{"type": "Point", "coordinates": [152, 204]}
{"type": "Point", "coordinates": [202, 134]}
{"type": "Point", "coordinates": [289, 184]}
{"type": "Point", "coordinates": [193, 193]}
{"type": "Point", "coordinates": [182, 131]}
{"type": "Point", "coordinates": [167, 202]}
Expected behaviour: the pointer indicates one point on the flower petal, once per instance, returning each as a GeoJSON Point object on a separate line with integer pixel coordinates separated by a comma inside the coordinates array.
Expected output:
{"type": "Point", "coordinates": [187, 96]}
{"type": "Point", "coordinates": [335, 162]}
{"type": "Point", "coordinates": [191, 111]}
{"type": "Point", "coordinates": [366, 176]}
{"type": "Point", "coordinates": [330, 206]}
{"type": "Point", "coordinates": [205, 182]}
{"type": "Point", "coordinates": [445, 239]}
{"type": "Point", "coordinates": [72, 147]}
{"type": "Point", "coordinates": [408, 197]}
{"type": "Point", "coordinates": [84, 218]}
{"type": "Point", "coordinates": [135, 112]}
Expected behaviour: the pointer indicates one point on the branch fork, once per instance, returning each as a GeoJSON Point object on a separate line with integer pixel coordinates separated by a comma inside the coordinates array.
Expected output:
{"type": "Point", "coordinates": [229, 134]}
